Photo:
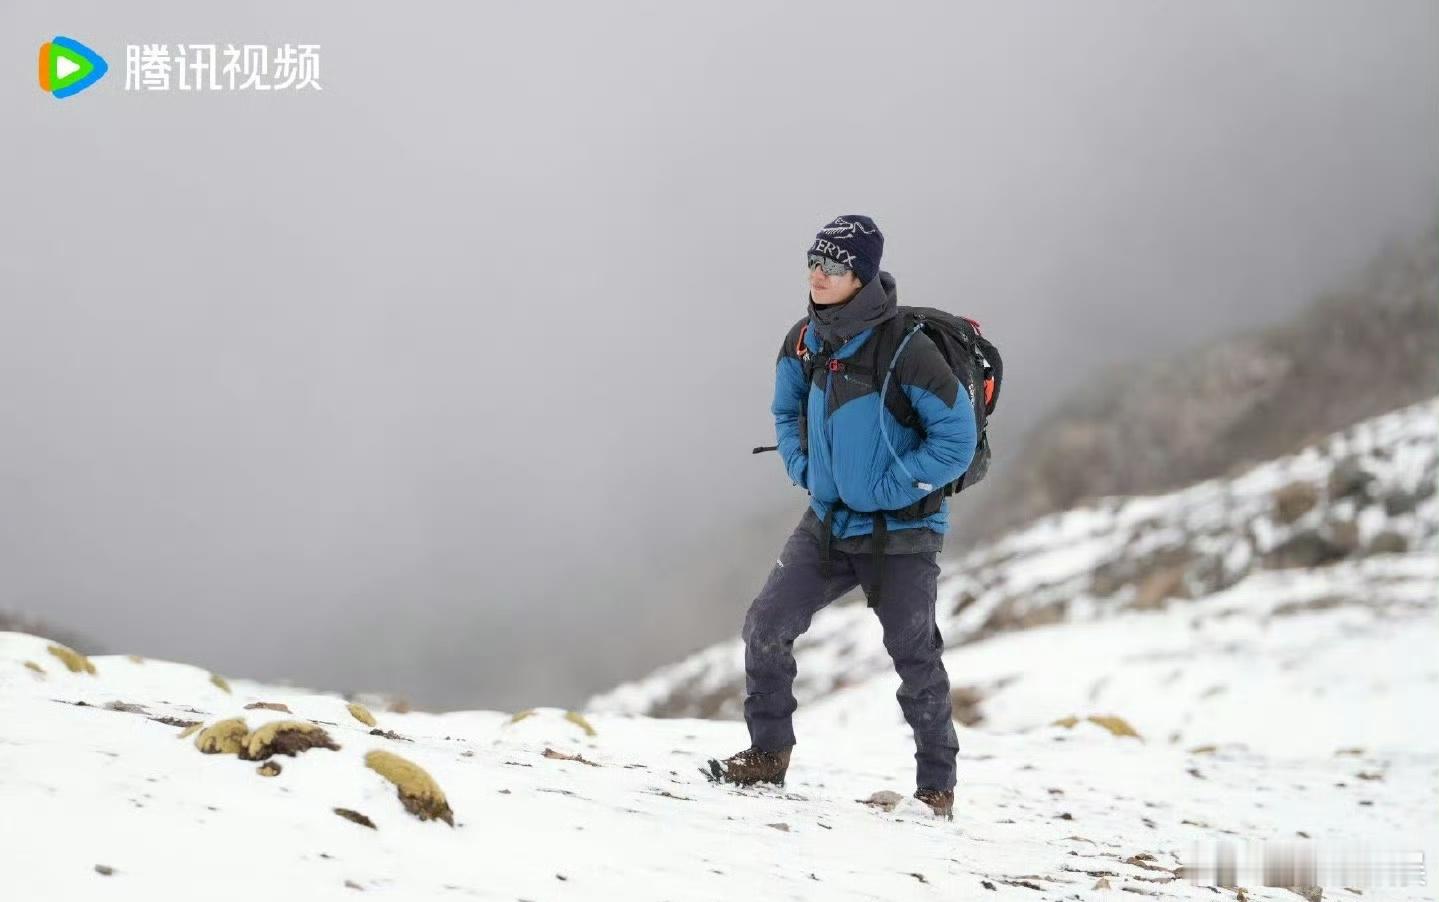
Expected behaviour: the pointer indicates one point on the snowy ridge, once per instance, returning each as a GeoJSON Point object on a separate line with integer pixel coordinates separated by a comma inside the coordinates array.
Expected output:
{"type": "Point", "coordinates": [1301, 523]}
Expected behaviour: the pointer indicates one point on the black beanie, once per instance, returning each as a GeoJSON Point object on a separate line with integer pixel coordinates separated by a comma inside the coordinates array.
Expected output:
{"type": "Point", "coordinates": [853, 240]}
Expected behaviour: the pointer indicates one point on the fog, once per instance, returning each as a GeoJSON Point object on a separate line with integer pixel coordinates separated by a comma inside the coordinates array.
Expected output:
{"type": "Point", "coordinates": [443, 379]}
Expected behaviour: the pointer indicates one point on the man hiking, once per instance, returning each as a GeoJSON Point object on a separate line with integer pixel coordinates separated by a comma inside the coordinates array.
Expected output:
{"type": "Point", "coordinates": [840, 441]}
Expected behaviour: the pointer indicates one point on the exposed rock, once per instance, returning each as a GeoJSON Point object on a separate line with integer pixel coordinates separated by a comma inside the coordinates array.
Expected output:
{"type": "Point", "coordinates": [1349, 479]}
{"type": "Point", "coordinates": [1294, 501]}
{"type": "Point", "coordinates": [1388, 542]}
{"type": "Point", "coordinates": [551, 753]}
{"type": "Point", "coordinates": [886, 799]}
{"type": "Point", "coordinates": [269, 706]}
{"type": "Point", "coordinates": [390, 734]}
{"type": "Point", "coordinates": [269, 769]}
{"type": "Point", "coordinates": [965, 700]}
{"type": "Point", "coordinates": [1158, 587]}
{"type": "Point", "coordinates": [177, 722]}
{"type": "Point", "coordinates": [1307, 548]}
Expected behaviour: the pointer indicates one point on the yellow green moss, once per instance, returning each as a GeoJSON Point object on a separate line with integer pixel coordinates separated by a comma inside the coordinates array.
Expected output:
{"type": "Point", "coordinates": [76, 662]}
{"type": "Point", "coordinates": [136, 659]}
{"type": "Point", "coordinates": [362, 714]}
{"type": "Point", "coordinates": [190, 730]}
{"type": "Point", "coordinates": [35, 667]}
{"type": "Point", "coordinates": [578, 720]}
{"type": "Point", "coordinates": [521, 715]}
{"type": "Point", "coordinates": [1066, 722]}
{"type": "Point", "coordinates": [418, 791]}
{"type": "Point", "coordinates": [286, 737]}
{"type": "Point", "coordinates": [224, 737]}
{"type": "Point", "coordinates": [269, 769]}
{"type": "Point", "coordinates": [220, 682]}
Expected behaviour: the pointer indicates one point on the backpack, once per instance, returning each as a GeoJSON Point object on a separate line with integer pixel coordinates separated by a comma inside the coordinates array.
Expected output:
{"type": "Point", "coordinates": [975, 361]}
{"type": "Point", "coordinates": [977, 365]}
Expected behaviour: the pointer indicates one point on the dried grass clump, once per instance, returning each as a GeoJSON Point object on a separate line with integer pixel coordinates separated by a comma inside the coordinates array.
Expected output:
{"type": "Point", "coordinates": [362, 714]}
{"type": "Point", "coordinates": [72, 659]}
{"type": "Point", "coordinates": [1117, 726]}
{"type": "Point", "coordinates": [418, 791]}
{"type": "Point", "coordinates": [223, 737]}
{"type": "Point", "coordinates": [578, 720]}
{"type": "Point", "coordinates": [286, 737]}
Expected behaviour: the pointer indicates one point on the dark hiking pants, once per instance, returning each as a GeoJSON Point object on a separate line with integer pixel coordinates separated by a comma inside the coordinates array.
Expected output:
{"type": "Point", "coordinates": [782, 611]}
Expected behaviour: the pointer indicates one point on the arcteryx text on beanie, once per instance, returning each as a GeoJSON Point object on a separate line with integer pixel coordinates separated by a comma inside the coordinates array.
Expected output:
{"type": "Point", "coordinates": [853, 240]}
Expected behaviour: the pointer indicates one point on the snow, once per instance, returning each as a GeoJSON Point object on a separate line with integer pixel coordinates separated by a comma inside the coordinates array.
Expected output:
{"type": "Point", "coordinates": [1277, 705]}
{"type": "Point", "coordinates": [87, 786]}
{"type": "Point", "coordinates": [1225, 526]}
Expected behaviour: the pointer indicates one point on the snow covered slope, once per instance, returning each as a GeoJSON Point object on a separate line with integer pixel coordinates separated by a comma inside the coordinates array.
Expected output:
{"type": "Point", "coordinates": [1267, 640]}
{"type": "Point", "coordinates": [104, 799]}
{"type": "Point", "coordinates": [1266, 606]}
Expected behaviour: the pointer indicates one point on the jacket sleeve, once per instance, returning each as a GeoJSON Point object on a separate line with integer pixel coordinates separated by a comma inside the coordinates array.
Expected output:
{"type": "Point", "coordinates": [790, 397]}
{"type": "Point", "coordinates": [947, 414]}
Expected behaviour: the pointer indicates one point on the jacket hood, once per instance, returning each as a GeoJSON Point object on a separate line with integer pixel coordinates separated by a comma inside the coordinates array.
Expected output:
{"type": "Point", "coordinates": [874, 303]}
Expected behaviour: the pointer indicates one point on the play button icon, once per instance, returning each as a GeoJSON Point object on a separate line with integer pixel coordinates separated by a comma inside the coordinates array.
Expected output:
{"type": "Point", "coordinates": [68, 67]}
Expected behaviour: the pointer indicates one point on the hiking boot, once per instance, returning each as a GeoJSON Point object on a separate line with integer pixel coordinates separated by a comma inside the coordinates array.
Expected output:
{"type": "Point", "coordinates": [751, 766]}
{"type": "Point", "coordinates": [940, 801]}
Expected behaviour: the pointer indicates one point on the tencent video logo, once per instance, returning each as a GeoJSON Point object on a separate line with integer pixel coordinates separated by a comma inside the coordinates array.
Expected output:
{"type": "Point", "coordinates": [68, 67]}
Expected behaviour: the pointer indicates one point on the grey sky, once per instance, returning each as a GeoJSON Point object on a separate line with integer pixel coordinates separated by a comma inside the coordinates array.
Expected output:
{"type": "Point", "coordinates": [444, 379]}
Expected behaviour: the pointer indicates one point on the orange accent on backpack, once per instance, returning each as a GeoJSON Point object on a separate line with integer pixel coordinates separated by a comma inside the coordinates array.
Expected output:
{"type": "Point", "coordinates": [799, 347]}
{"type": "Point", "coordinates": [988, 390]}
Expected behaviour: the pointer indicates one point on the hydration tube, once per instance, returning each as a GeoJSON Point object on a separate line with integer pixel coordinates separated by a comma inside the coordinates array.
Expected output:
{"type": "Point", "coordinates": [884, 393]}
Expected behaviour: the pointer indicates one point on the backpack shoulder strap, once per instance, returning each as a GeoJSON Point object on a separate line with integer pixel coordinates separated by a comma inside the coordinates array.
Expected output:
{"type": "Point", "coordinates": [887, 343]}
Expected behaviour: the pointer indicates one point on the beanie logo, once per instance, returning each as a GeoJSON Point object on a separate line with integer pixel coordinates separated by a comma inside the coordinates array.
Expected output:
{"type": "Point", "coordinates": [833, 251]}
{"type": "Point", "coordinates": [843, 228]}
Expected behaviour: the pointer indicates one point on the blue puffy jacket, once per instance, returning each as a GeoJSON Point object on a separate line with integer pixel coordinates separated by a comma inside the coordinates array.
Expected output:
{"type": "Point", "coordinates": [848, 457]}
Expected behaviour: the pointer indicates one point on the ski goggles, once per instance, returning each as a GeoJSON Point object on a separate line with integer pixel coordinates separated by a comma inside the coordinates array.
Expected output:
{"type": "Point", "coordinates": [830, 267]}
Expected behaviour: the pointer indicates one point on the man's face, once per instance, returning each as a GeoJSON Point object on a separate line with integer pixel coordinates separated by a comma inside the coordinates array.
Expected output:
{"type": "Point", "coordinates": [828, 289]}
